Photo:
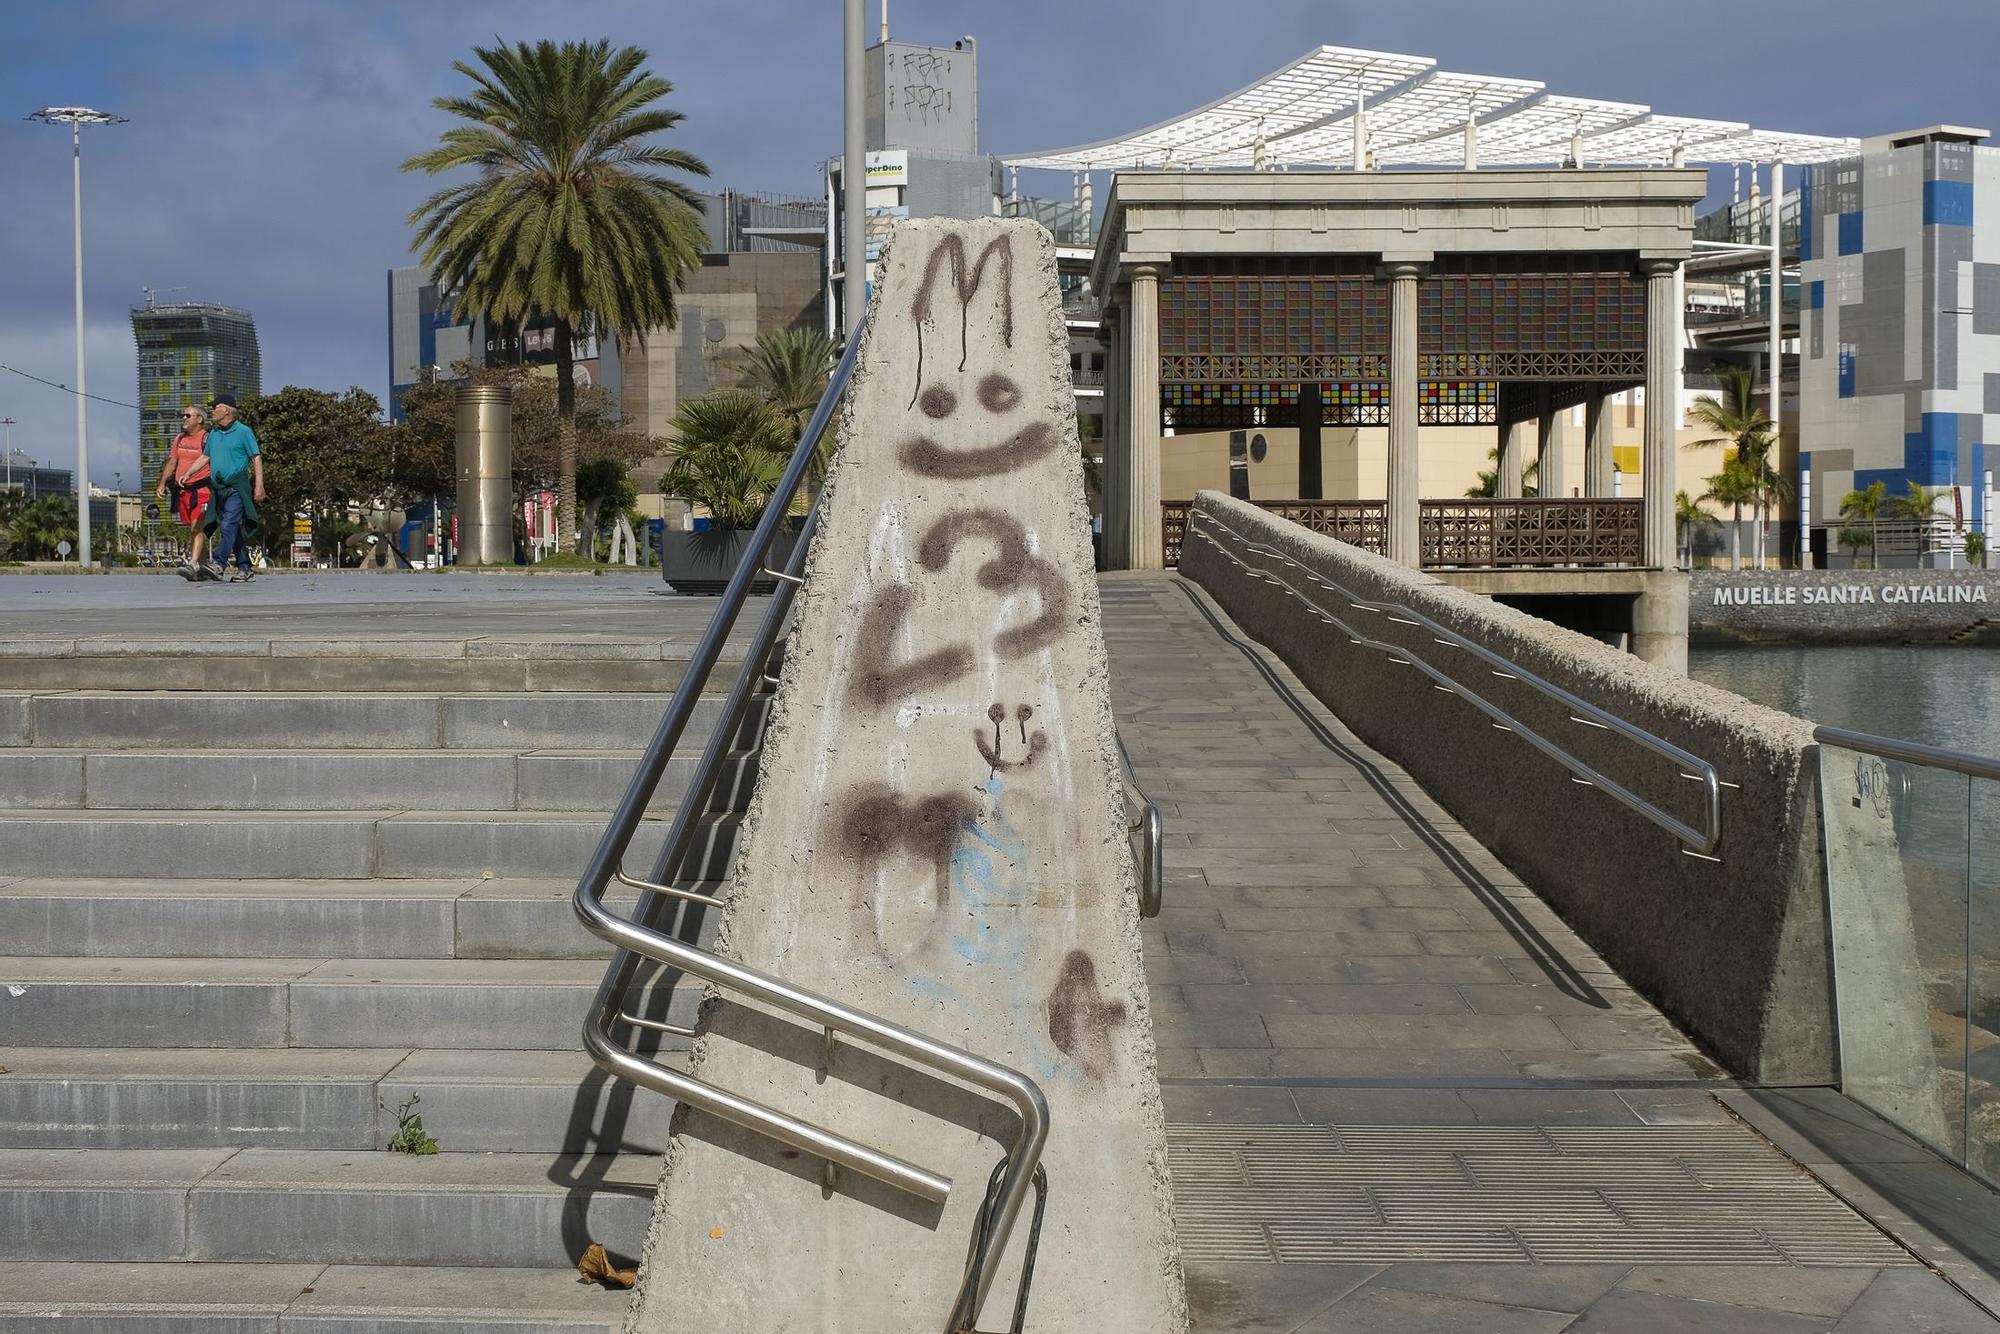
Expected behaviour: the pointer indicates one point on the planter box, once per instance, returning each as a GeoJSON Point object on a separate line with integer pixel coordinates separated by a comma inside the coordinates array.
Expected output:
{"type": "Point", "coordinates": [700, 564]}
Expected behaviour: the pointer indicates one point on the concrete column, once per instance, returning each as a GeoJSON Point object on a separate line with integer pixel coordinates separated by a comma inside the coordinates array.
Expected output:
{"type": "Point", "coordinates": [1513, 444]}
{"type": "Point", "coordinates": [1550, 439]}
{"type": "Point", "coordinates": [1597, 445]}
{"type": "Point", "coordinates": [1117, 441]}
{"type": "Point", "coordinates": [1143, 540]}
{"type": "Point", "coordinates": [1663, 350]}
{"type": "Point", "coordinates": [1403, 543]}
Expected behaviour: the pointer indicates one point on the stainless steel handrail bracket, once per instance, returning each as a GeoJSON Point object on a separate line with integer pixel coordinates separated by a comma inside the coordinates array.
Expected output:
{"type": "Point", "coordinates": [1696, 841]}
{"type": "Point", "coordinates": [1151, 828]}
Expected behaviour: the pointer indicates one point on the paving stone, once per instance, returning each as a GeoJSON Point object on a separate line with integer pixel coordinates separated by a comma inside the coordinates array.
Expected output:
{"type": "Point", "coordinates": [1913, 1301]}
{"type": "Point", "coordinates": [1821, 1291]}
{"type": "Point", "coordinates": [1373, 1310]}
{"type": "Point", "coordinates": [1265, 1298]}
{"type": "Point", "coordinates": [1382, 1107]}
{"type": "Point", "coordinates": [1561, 1287]}
{"type": "Point", "coordinates": [1644, 1313]}
{"type": "Point", "coordinates": [1250, 1104]}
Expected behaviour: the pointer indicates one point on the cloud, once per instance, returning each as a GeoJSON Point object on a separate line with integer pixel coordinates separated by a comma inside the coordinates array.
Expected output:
{"type": "Point", "coordinates": [261, 167]}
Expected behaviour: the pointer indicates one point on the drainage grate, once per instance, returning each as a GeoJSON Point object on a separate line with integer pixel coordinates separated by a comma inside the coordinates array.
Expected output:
{"type": "Point", "coordinates": [1539, 1195]}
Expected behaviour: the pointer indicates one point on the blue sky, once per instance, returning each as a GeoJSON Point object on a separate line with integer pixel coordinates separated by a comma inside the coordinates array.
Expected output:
{"type": "Point", "coordinates": [261, 166]}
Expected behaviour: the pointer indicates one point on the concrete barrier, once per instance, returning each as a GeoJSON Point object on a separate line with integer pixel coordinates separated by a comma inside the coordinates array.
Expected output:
{"type": "Point", "coordinates": [937, 837]}
{"type": "Point", "coordinates": [1736, 952]}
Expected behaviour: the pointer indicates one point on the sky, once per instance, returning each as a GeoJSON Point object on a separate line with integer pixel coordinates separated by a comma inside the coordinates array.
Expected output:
{"type": "Point", "coordinates": [261, 167]}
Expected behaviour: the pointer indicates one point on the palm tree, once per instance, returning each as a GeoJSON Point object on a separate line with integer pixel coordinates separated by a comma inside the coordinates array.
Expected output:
{"type": "Point", "coordinates": [1488, 485]}
{"type": "Point", "coordinates": [789, 369]}
{"type": "Point", "coordinates": [1735, 486]}
{"type": "Point", "coordinates": [731, 453]}
{"type": "Point", "coordinates": [1867, 504]}
{"type": "Point", "coordinates": [1734, 421]}
{"type": "Point", "coordinates": [567, 217]}
{"type": "Point", "coordinates": [1687, 513]}
{"type": "Point", "coordinates": [1916, 505]}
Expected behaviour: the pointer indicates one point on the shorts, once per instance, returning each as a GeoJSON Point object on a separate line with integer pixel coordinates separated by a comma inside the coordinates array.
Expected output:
{"type": "Point", "coordinates": [191, 503]}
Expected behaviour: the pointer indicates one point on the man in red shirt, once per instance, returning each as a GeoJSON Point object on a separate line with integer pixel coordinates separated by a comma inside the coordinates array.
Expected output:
{"type": "Point", "coordinates": [186, 477]}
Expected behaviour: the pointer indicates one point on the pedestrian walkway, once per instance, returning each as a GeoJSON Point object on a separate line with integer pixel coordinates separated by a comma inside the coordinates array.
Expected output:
{"type": "Point", "coordinates": [1402, 1095]}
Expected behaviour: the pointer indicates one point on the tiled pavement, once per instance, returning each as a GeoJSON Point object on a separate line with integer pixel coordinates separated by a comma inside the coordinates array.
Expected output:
{"type": "Point", "coordinates": [1337, 954]}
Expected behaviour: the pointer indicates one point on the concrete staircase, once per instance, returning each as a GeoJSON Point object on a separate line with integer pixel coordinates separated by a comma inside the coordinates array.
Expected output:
{"type": "Point", "coordinates": [240, 929]}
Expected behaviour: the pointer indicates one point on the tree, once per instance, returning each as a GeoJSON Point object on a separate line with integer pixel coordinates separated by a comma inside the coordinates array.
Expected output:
{"type": "Point", "coordinates": [1687, 513]}
{"type": "Point", "coordinates": [34, 529]}
{"type": "Point", "coordinates": [322, 452]}
{"type": "Point", "coordinates": [1488, 485]}
{"type": "Point", "coordinates": [789, 369]}
{"type": "Point", "coordinates": [602, 485]}
{"type": "Point", "coordinates": [1916, 505]}
{"type": "Point", "coordinates": [566, 217]}
{"type": "Point", "coordinates": [596, 431]}
{"type": "Point", "coordinates": [1733, 420]}
{"type": "Point", "coordinates": [731, 450]}
{"type": "Point", "coordinates": [1735, 486]}
{"type": "Point", "coordinates": [1866, 504]}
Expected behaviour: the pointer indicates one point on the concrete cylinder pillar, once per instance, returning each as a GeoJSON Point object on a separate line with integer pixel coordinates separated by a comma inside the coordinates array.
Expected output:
{"type": "Point", "coordinates": [485, 420]}
{"type": "Point", "coordinates": [1663, 354]}
{"type": "Point", "coordinates": [1402, 517]}
{"type": "Point", "coordinates": [1597, 456]}
{"type": "Point", "coordinates": [1116, 420]}
{"type": "Point", "coordinates": [1552, 439]}
{"type": "Point", "coordinates": [1513, 444]}
{"type": "Point", "coordinates": [1143, 540]}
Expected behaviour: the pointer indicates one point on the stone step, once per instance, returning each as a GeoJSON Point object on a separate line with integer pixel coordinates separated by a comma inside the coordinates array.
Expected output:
{"type": "Point", "coordinates": [297, 919]}
{"type": "Point", "coordinates": [320, 780]}
{"type": "Point", "coordinates": [470, 1003]}
{"type": "Point", "coordinates": [288, 1206]}
{"type": "Point", "coordinates": [381, 664]}
{"type": "Point", "coordinates": [284, 720]}
{"type": "Point", "coordinates": [222, 1298]}
{"type": "Point", "coordinates": [323, 1098]}
{"type": "Point", "coordinates": [346, 844]}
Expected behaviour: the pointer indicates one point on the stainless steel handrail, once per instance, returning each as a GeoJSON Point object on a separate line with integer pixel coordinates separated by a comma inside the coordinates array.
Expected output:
{"type": "Point", "coordinates": [1696, 842]}
{"type": "Point", "coordinates": [1910, 752]}
{"type": "Point", "coordinates": [637, 937]}
{"type": "Point", "coordinates": [1151, 829]}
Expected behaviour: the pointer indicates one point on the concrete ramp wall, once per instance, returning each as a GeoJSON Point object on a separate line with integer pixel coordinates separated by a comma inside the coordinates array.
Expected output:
{"type": "Point", "coordinates": [1736, 951]}
{"type": "Point", "coordinates": [938, 837]}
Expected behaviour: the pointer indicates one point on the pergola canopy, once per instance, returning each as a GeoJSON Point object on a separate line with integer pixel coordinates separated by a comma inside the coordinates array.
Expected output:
{"type": "Point", "coordinates": [1413, 114]}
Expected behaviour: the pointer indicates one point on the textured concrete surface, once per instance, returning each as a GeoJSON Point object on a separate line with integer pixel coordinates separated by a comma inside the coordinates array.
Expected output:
{"type": "Point", "coordinates": [1735, 951]}
{"type": "Point", "coordinates": [938, 839]}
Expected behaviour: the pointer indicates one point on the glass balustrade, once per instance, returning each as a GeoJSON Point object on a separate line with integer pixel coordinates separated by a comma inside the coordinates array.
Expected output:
{"type": "Point", "coordinates": [1913, 890]}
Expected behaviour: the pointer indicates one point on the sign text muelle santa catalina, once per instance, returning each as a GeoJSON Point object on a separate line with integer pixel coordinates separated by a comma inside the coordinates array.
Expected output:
{"type": "Point", "coordinates": [1791, 595]}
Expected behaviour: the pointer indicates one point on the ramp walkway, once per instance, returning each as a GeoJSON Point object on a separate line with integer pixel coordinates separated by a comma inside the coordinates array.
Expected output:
{"type": "Point", "coordinates": [1401, 1094]}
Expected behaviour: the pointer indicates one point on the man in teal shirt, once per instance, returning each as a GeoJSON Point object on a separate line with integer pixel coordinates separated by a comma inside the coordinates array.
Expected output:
{"type": "Point", "coordinates": [236, 470]}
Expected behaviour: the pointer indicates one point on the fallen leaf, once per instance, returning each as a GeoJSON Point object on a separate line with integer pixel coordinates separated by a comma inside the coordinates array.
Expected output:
{"type": "Point", "coordinates": [714, 1232]}
{"type": "Point", "coordinates": [595, 1266]}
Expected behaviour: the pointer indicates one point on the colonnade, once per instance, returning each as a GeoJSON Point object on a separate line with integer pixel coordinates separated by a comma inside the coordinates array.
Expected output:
{"type": "Point", "coordinates": [1131, 333]}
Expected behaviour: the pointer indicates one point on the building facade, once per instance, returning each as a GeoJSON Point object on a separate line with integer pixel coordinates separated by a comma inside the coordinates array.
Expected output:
{"type": "Point", "coordinates": [188, 353]}
{"type": "Point", "coordinates": [1900, 333]}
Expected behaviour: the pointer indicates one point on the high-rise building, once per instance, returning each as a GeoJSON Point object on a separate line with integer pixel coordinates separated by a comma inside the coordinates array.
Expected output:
{"type": "Point", "coordinates": [424, 333]}
{"type": "Point", "coordinates": [1900, 337]}
{"type": "Point", "coordinates": [189, 352]}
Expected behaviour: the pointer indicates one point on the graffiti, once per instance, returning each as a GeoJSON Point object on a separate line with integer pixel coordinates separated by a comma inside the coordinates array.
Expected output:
{"type": "Point", "coordinates": [879, 680]}
{"type": "Point", "coordinates": [1081, 1021]}
{"type": "Point", "coordinates": [879, 823]}
{"type": "Point", "coordinates": [924, 455]}
{"type": "Point", "coordinates": [965, 283]}
{"type": "Point", "coordinates": [995, 754]}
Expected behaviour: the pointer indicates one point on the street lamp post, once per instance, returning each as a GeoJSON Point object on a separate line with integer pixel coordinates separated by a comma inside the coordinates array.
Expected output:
{"type": "Point", "coordinates": [7, 428]}
{"type": "Point", "coordinates": [76, 118]}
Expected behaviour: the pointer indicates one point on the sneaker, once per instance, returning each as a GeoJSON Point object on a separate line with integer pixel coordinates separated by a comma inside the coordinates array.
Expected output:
{"type": "Point", "coordinates": [243, 577]}
{"type": "Point", "coordinates": [211, 571]}
{"type": "Point", "coordinates": [189, 571]}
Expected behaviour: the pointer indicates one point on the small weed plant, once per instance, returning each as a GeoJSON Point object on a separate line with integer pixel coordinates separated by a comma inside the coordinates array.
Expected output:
{"type": "Point", "coordinates": [410, 1136]}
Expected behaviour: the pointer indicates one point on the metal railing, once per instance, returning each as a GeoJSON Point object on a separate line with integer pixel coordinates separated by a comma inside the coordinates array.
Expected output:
{"type": "Point", "coordinates": [1533, 533]}
{"type": "Point", "coordinates": [1152, 839]}
{"type": "Point", "coordinates": [1696, 840]}
{"type": "Point", "coordinates": [639, 937]}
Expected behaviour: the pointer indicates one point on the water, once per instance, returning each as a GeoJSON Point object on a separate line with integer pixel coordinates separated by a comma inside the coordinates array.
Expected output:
{"type": "Point", "coordinates": [1940, 696]}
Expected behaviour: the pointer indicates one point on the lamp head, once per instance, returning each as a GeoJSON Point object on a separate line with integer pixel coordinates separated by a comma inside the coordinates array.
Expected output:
{"type": "Point", "coordinates": [75, 116]}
